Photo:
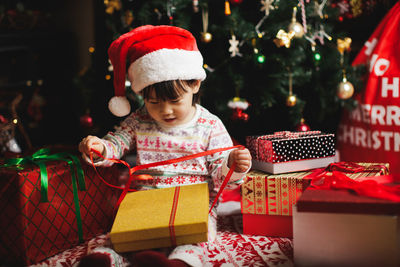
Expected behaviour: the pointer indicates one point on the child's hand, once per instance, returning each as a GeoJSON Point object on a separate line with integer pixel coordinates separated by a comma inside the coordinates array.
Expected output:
{"type": "Point", "coordinates": [89, 143]}
{"type": "Point", "coordinates": [242, 158]}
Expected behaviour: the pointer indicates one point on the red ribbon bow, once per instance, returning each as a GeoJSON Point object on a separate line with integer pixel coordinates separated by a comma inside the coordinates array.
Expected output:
{"type": "Point", "coordinates": [333, 178]}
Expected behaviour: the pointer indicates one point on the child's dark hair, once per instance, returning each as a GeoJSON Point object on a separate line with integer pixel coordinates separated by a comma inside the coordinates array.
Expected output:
{"type": "Point", "coordinates": [169, 90]}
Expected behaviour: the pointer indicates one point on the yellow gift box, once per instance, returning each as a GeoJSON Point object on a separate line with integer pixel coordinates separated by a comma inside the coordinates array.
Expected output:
{"type": "Point", "coordinates": [161, 218]}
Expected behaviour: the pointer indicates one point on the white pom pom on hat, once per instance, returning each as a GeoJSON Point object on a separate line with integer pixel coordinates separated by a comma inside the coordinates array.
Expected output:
{"type": "Point", "coordinates": [119, 106]}
{"type": "Point", "coordinates": [154, 54]}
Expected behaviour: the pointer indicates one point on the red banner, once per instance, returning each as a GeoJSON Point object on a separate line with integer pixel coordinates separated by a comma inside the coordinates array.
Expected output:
{"type": "Point", "coordinates": [371, 132]}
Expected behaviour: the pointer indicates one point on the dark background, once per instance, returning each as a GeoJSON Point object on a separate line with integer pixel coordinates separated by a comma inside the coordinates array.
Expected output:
{"type": "Point", "coordinates": [44, 50]}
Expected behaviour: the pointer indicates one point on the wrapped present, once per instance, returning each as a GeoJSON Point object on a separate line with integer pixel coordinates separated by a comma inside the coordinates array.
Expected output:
{"type": "Point", "coordinates": [161, 218]}
{"type": "Point", "coordinates": [268, 199]}
{"type": "Point", "coordinates": [267, 202]}
{"type": "Point", "coordinates": [348, 222]}
{"type": "Point", "coordinates": [286, 151]}
{"type": "Point", "coordinates": [45, 210]}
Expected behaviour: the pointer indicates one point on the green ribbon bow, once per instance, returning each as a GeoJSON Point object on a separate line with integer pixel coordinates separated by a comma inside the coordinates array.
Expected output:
{"type": "Point", "coordinates": [39, 158]}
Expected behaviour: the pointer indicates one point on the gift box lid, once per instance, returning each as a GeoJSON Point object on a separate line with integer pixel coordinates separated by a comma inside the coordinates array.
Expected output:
{"type": "Point", "coordinates": [291, 146]}
{"type": "Point", "coordinates": [146, 214]}
{"type": "Point", "coordinates": [344, 201]}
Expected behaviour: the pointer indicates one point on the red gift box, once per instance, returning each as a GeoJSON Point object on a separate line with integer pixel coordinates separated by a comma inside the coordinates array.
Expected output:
{"type": "Point", "coordinates": [267, 202]}
{"type": "Point", "coordinates": [32, 230]}
{"type": "Point", "coordinates": [268, 199]}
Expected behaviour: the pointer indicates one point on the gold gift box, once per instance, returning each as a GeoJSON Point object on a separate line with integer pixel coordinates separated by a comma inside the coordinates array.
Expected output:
{"type": "Point", "coordinates": [143, 218]}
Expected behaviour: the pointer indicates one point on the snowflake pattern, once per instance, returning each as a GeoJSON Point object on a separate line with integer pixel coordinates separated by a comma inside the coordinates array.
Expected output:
{"type": "Point", "coordinates": [266, 6]}
{"type": "Point", "coordinates": [154, 143]}
{"type": "Point", "coordinates": [234, 47]}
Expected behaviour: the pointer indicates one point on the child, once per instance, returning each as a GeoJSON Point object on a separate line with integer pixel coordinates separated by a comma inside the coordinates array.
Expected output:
{"type": "Point", "coordinates": [166, 69]}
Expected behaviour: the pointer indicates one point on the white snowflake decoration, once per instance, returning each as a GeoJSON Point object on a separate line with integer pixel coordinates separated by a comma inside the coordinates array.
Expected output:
{"type": "Point", "coordinates": [266, 6]}
{"type": "Point", "coordinates": [234, 47]}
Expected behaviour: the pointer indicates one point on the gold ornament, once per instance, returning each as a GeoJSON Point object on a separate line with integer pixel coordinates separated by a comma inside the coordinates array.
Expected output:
{"type": "Point", "coordinates": [206, 37]}
{"type": "Point", "coordinates": [343, 44]}
{"type": "Point", "coordinates": [227, 8]}
{"type": "Point", "coordinates": [112, 5]}
{"type": "Point", "coordinates": [296, 27]}
{"type": "Point", "coordinates": [356, 7]}
{"type": "Point", "coordinates": [291, 101]}
{"type": "Point", "coordinates": [345, 89]}
{"type": "Point", "coordinates": [284, 38]}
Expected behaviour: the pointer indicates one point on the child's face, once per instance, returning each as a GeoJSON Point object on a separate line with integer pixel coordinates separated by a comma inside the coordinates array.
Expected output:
{"type": "Point", "coordinates": [172, 112]}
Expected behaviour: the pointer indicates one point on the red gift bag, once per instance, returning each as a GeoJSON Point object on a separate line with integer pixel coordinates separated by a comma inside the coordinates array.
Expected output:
{"type": "Point", "coordinates": [371, 132]}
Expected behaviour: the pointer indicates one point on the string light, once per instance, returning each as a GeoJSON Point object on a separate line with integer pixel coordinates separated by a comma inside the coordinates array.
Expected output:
{"type": "Point", "coordinates": [261, 58]}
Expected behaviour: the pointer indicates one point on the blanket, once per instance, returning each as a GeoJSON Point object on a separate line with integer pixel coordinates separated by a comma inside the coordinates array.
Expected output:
{"type": "Point", "coordinates": [231, 248]}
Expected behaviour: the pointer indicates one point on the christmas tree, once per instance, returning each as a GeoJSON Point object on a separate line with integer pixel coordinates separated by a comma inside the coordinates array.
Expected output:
{"type": "Point", "coordinates": [271, 65]}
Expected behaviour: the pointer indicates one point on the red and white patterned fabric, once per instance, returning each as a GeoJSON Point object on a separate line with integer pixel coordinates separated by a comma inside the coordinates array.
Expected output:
{"type": "Point", "coordinates": [230, 248]}
{"type": "Point", "coordinates": [154, 142]}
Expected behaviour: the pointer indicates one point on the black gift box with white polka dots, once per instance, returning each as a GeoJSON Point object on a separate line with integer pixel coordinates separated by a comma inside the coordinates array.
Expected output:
{"type": "Point", "coordinates": [291, 146]}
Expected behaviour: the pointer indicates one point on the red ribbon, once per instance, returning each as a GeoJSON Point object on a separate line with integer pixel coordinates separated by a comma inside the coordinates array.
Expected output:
{"type": "Point", "coordinates": [333, 178]}
{"type": "Point", "coordinates": [126, 188]}
{"type": "Point", "coordinates": [172, 215]}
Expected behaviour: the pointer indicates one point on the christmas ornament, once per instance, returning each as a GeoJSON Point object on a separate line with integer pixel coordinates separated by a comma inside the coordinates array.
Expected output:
{"type": "Point", "coordinates": [345, 89]}
{"type": "Point", "coordinates": [239, 105]}
{"type": "Point", "coordinates": [296, 27]}
{"type": "Point", "coordinates": [236, 2]}
{"type": "Point", "coordinates": [356, 7]}
{"type": "Point", "coordinates": [112, 5]}
{"type": "Point", "coordinates": [343, 45]}
{"type": "Point", "coordinates": [234, 46]}
{"type": "Point", "coordinates": [318, 8]}
{"type": "Point", "coordinates": [227, 8]}
{"type": "Point", "coordinates": [170, 11]}
{"type": "Point", "coordinates": [303, 14]}
{"type": "Point", "coordinates": [195, 4]}
{"type": "Point", "coordinates": [318, 35]}
{"type": "Point", "coordinates": [206, 37]}
{"type": "Point", "coordinates": [266, 6]}
{"type": "Point", "coordinates": [238, 114]}
{"type": "Point", "coordinates": [343, 7]}
{"type": "Point", "coordinates": [86, 120]}
{"type": "Point", "coordinates": [302, 126]}
{"type": "Point", "coordinates": [284, 38]}
{"type": "Point", "coordinates": [291, 100]}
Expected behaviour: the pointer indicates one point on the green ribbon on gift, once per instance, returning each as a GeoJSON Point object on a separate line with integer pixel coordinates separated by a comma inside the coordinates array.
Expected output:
{"type": "Point", "coordinates": [39, 158]}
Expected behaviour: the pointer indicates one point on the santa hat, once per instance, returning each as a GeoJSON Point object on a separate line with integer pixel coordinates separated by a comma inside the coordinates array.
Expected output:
{"type": "Point", "coordinates": [154, 54]}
